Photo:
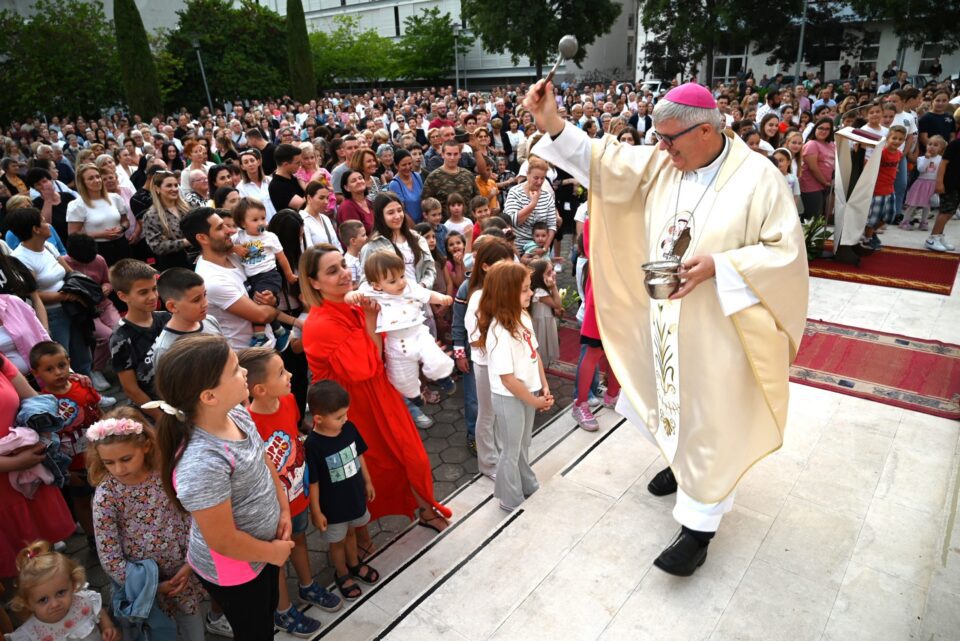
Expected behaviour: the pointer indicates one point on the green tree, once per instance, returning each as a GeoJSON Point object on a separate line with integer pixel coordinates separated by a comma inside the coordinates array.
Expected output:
{"type": "Point", "coordinates": [348, 55]}
{"type": "Point", "coordinates": [917, 22]}
{"type": "Point", "coordinates": [302, 79]}
{"type": "Point", "coordinates": [60, 61]}
{"type": "Point", "coordinates": [685, 32]}
{"type": "Point", "coordinates": [425, 51]}
{"type": "Point", "coordinates": [825, 36]}
{"type": "Point", "coordinates": [532, 29]}
{"type": "Point", "coordinates": [243, 49]}
{"type": "Point", "coordinates": [139, 74]}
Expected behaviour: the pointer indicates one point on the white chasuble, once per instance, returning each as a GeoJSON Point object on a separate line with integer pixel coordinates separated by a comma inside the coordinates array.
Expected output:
{"type": "Point", "coordinates": [730, 373]}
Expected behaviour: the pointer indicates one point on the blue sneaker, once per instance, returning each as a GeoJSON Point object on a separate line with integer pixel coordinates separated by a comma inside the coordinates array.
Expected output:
{"type": "Point", "coordinates": [296, 623]}
{"type": "Point", "coordinates": [320, 597]}
{"type": "Point", "coordinates": [447, 385]}
{"type": "Point", "coordinates": [282, 341]}
{"type": "Point", "coordinates": [258, 339]}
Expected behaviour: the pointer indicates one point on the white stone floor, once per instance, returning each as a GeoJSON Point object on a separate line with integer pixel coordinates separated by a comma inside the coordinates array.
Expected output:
{"type": "Point", "coordinates": [849, 532]}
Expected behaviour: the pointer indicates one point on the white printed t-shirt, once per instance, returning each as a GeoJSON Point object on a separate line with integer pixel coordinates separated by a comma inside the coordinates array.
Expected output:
{"type": "Point", "coordinates": [225, 286]}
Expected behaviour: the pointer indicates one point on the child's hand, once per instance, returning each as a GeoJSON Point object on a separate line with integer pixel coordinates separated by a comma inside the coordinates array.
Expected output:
{"type": "Point", "coordinates": [279, 552]}
{"type": "Point", "coordinates": [292, 279]}
{"type": "Point", "coordinates": [285, 526]}
{"type": "Point", "coordinates": [179, 580]}
{"type": "Point", "coordinates": [241, 251]}
{"type": "Point", "coordinates": [462, 364]}
{"type": "Point", "coordinates": [371, 493]}
{"type": "Point", "coordinates": [445, 300]}
{"type": "Point", "coordinates": [354, 298]}
{"type": "Point", "coordinates": [546, 401]}
{"type": "Point", "coordinates": [320, 522]}
{"type": "Point", "coordinates": [108, 631]}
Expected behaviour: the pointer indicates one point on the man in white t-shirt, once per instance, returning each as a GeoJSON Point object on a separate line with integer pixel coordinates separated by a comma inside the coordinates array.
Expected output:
{"type": "Point", "coordinates": [230, 303]}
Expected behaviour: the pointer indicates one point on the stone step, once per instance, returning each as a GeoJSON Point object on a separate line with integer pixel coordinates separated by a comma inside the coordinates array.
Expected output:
{"type": "Point", "coordinates": [417, 558]}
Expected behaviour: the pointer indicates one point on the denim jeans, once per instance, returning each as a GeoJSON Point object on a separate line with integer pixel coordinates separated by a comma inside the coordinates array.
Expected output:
{"type": "Point", "coordinates": [413, 409]}
{"type": "Point", "coordinates": [899, 189]}
{"type": "Point", "coordinates": [595, 383]}
{"type": "Point", "coordinates": [470, 401]}
{"type": "Point", "coordinates": [65, 332]}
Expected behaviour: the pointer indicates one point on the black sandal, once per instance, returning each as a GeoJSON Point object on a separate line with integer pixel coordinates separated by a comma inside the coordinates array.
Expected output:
{"type": "Point", "coordinates": [371, 576]}
{"type": "Point", "coordinates": [427, 522]}
{"type": "Point", "coordinates": [348, 592]}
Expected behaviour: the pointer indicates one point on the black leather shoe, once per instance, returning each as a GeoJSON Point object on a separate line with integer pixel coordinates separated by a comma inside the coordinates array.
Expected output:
{"type": "Point", "coordinates": [663, 483]}
{"type": "Point", "coordinates": [683, 556]}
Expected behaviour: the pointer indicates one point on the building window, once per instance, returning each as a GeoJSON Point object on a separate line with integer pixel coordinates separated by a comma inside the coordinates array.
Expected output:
{"type": "Point", "coordinates": [869, 53]}
{"type": "Point", "coordinates": [728, 62]}
{"type": "Point", "coordinates": [396, 21]}
{"type": "Point", "coordinates": [929, 54]}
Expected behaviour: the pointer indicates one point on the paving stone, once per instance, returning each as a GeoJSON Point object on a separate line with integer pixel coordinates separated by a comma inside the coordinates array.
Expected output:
{"type": "Point", "coordinates": [455, 455]}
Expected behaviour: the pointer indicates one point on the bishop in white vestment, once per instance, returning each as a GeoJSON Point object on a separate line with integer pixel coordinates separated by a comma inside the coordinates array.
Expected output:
{"type": "Point", "coordinates": [704, 373]}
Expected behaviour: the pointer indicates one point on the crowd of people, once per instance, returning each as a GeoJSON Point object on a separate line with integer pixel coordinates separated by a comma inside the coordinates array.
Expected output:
{"type": "Point", "coordinates": [349, 260]}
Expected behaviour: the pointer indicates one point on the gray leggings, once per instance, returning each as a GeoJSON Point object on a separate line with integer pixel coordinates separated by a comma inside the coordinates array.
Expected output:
{"type": "Point", "coordinates": [514, 429]}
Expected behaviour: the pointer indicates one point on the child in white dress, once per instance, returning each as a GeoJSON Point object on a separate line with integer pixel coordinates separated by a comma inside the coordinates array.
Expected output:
{"type": "Point", "coordinates": [408, 343]}
{"type": "Point", "coordinates": [52, 588]}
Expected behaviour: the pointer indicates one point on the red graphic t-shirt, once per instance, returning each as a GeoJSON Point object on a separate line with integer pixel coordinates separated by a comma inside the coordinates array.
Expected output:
{"type": "Point", "coordinates": [889, 163]}
{"type": "Point", "coordinates": [285, 449]}
{"type": "Point", "coordinates": [79, 408]}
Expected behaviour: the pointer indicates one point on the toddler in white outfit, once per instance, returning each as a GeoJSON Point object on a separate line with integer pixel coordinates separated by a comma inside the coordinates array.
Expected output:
{"type": "Point", "coordinates": [408, 343]}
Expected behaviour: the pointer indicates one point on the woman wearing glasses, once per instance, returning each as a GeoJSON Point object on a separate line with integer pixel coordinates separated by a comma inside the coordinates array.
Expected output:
{"type": "Point", "coordinates": [816, 174]}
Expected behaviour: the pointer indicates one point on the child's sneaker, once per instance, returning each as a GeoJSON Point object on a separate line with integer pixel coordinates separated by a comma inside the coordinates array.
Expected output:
{"type": "Point", "coordinates": [594, 402]}
{"type": "Point", "coordinates": [610, 401]}
{"type": "Point", "coordinates": [943, 241]}
{"type": "Point", "coordinates": [320, 597]}
{"type": "Point", "coordinates": [923, 226]}
{"type": "Point", "coordinates": [585, 418]}
{"type": "Point", "coordinates": [282, 341]}
{"type": "Point", "coordinates": [295, 623]}
{"type": "Point", "coordinates": [218, 626]}
{"type": "Point", "coordinates": [905, 225]}
{"type": "Point", "coordinates": [447, 385]}
{"type": "Point", "coordinates": [100, 382]}
{"type": "Point", "coordinates": [258, 339]}
{"type": "Point", "coordinates": [935, 243]}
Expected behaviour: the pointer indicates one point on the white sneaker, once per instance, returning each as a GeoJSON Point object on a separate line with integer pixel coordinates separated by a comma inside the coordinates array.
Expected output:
{"type": "Point", "coordinates": [943, 241]}
{"type": "Point", "coordinates": [100, 383]}
{"type": "Point", "coordinates": [107, 402]}
{"type": "Point", "coordinates": [220, 627]}
{"type": "Point", "coordinates": [935, 243]}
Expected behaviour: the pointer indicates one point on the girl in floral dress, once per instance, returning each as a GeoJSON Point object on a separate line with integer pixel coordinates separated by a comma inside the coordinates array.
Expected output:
{"type": "Point", "coordinates": [135, 519]}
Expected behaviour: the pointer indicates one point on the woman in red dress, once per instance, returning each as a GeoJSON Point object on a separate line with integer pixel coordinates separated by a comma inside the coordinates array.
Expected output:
{"type": "Point", "coordinates": [24, 520]}
{"type": "Point", "coordinates": [341, 345]}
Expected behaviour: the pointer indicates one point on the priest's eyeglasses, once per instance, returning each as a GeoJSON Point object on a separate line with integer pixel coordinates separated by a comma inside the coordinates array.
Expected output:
{"type": "Point", "coordinates": [668, 139]}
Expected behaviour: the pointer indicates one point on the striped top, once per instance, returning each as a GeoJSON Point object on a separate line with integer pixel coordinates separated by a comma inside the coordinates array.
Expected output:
{"type": "Point", "coordinates": [546, 210]}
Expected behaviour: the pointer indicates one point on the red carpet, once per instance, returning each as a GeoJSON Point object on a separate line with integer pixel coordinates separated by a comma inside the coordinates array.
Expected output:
{"type": "Point", "coordinates": [898, 267]}
{"type": "Point", "coordinates": [569, 338]}
{"type": "Point", "coordinates": [915, 374]}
